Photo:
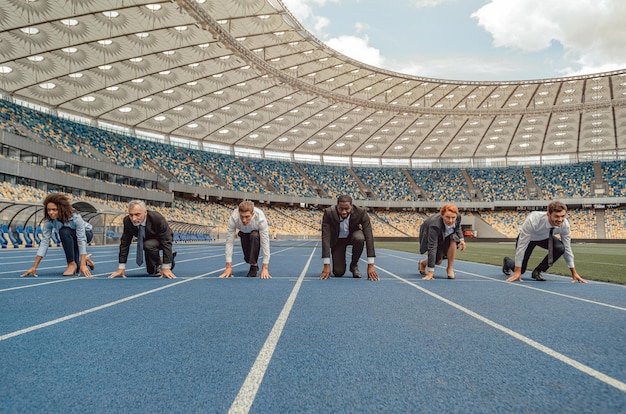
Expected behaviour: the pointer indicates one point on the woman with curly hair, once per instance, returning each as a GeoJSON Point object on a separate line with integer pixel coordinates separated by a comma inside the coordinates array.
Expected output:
{"type": "Point", "coordinates": [74, 232]}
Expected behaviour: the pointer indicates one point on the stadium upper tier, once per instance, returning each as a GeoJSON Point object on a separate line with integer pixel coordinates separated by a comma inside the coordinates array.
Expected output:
{"type": "Point", "coordinates": [208, 173]}
{"type": "Point", "coordinates": [245, 75]}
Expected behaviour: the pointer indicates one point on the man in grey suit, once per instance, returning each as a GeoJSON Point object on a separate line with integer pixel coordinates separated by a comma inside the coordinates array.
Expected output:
{"type": "Point", "coordinates": [343, 225]}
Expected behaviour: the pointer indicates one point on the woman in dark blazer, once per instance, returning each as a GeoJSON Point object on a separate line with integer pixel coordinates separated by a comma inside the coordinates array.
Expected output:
{"type": "Point", "coordinates": [440, 236]}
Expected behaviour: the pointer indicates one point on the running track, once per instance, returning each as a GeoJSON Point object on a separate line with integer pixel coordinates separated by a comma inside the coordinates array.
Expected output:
{"type": "Point", "coordinates": [200, 344]}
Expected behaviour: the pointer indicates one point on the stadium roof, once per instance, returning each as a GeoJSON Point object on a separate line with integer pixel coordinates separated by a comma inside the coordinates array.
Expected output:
{"type": "Point", "coordinates": [246, 74]}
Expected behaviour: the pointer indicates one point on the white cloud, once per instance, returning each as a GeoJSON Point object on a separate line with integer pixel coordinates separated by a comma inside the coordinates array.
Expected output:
{"type": "Point", "coordinates": [299, 8]}
{"type": "Point", "coordinates": [590, 34]}
{"type": "Point", "coordinates": [302, 8]}
{"type": "Point", "coordinates": [360, 27]}
{"type": "Point", "coordinates": [357, 48]}
{"type": "Point", "coordinates": [589, 30]}
{"type": "Point", "coordinates": [319, 23]}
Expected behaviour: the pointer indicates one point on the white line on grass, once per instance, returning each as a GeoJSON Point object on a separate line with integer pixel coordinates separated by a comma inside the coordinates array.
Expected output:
{"type": "Point", "coordinates": [247, 393]}
{"type": "Point", "coordinates": [549, 351]}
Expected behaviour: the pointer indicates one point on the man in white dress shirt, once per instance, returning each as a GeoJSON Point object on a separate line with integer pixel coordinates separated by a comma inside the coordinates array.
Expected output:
{"type": "Point", "coordinates": [254, 234]}
{"type": "Point", "coordinates": [539, 229]}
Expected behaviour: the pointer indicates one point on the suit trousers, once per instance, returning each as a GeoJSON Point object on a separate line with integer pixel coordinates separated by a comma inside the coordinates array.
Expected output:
{"type": "Point", "coordinates": [251, 246]}
{"type": "Point", "coordinates": [338, 252]}
{"type": "Point", "coordinates": [558, 250]}
{"type": "Point", "coordinates": [152, 251]}
{"type": "Point", "coordinates": [70, 243]}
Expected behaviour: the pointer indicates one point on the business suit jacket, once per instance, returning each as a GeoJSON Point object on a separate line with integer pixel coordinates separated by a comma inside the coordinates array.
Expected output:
{"type": "Point", "coordinates": [359, 220]}
{"type": "Point", "coordinates": [156, 228]}
{"type": "Point", "coordinates": [432, 237]}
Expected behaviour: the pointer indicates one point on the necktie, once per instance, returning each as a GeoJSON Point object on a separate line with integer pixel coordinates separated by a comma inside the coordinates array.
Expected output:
{"type": "Point", "coordinates": [141, 234]}
{"type": "Point", "coordinates": [550, 247]}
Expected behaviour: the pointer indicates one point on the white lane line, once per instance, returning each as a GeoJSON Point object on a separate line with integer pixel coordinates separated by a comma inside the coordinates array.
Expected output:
{"type": "Point", "coordinates": [549, 351]}
{"type": "Point", "coordinates": [247, 393]}
{"type": "Point", "coordinates": [69, 279]}
{"type": "Point", "coordinates": [97, 255]}
{"type": "Point", "coordinates": [73, 278]}
{"type": "Point", "coordinates": [104, 306]}
{"type": "Point", "coordinates": [523, 285]}
{"type": "Point", "coordinates": [62, 266]}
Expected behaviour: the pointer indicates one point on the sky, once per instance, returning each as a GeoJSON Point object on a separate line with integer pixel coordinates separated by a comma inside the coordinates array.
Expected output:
{"type": "Point", "coordinates": [477, 40]}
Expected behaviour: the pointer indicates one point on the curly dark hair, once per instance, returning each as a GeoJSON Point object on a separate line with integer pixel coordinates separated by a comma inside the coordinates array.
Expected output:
{"type": "Point", "coordinates": [62, 202]}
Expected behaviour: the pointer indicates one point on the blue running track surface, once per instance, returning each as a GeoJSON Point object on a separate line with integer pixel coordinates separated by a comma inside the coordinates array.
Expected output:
{"type": "Point", "coordinates": [297, 344]}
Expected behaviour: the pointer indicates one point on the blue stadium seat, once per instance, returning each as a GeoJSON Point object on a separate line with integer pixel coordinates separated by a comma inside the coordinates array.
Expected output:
{"type": "Point", "coordinates": [23, 237]}
{"type": "Point", "coordinates": [7, 231]}
{"type": "Point", "coordinates": [3, 241]}
{"type": "Point", "coordinates": [38, 235]}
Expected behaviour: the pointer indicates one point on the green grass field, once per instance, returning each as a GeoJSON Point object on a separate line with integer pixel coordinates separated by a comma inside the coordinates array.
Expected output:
{"type": "Point", "coordinates": [601, 262]}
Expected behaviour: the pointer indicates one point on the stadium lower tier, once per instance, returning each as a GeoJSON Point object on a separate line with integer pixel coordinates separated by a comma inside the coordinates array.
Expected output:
{"type": "Point", "coordinates": [197, 219]}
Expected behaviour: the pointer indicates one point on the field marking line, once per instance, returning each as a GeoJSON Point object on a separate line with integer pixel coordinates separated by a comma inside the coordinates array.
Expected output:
{"type": "Point", "coordinates": [249, 389]}
{"type": "Point", "coordinates": [548, 351]}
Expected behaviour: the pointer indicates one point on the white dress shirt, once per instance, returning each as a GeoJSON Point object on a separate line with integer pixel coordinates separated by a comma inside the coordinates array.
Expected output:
{"type": "Point", "coordinates": [258, 223]}
{"type": "Point", "coordinates": [344, 227]}
{"type": "Point", "coordinates": [537, 227]}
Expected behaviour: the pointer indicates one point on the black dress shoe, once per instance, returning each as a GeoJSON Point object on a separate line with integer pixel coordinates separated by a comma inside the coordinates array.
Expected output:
{"type": "Point", "coordinates": [537, 276]}
{"type": "Point", "coordinates": [505, 269]}
{"type": "Point", "coordinates": [356, 273]}
{"type": "Point", "coordinates": [253, 271]}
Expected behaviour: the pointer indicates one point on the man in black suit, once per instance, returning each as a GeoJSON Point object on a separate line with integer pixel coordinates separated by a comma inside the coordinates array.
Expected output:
{"type": "Point", "coordinates": [153, 235]}
{"type": "Point", "coordinates": [343, 225]}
